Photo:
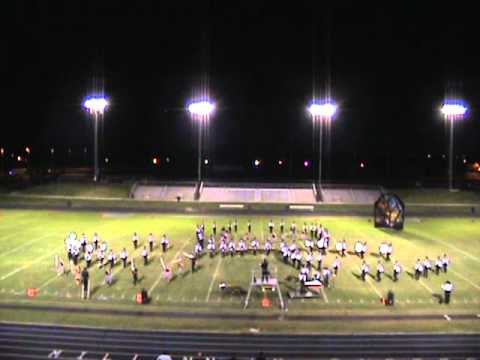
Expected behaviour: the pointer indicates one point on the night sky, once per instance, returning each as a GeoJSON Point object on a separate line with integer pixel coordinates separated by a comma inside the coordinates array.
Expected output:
{"type": "Point", "coordinates": [389, 68]}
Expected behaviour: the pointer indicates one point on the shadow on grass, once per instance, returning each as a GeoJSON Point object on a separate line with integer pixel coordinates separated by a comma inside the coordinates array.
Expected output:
{"type": "Point", "coordinates": [438, 297]}
{"type": "Point", "coordinates": [374, 254]}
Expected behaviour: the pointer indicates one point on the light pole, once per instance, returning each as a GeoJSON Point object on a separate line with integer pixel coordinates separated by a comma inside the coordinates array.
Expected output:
{"type": "Point", "coordinates": [320, 113]}
{"type": "Point", "coordinates": [96, 106]}
{"type": "Point", "coordinates": [452, 112]}
{"type": "Point", "coordinates": [200, 112]}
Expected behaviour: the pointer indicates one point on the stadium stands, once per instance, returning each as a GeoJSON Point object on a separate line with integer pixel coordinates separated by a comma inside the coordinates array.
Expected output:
{"type": "Point", "coordinates": [238, 194]}
{"type": "Point", "coordinates": [258, 195]}
{"type": "Point", "coordinates": [164, 192]}
{"type": "Point", "coordinates": [350, 196]}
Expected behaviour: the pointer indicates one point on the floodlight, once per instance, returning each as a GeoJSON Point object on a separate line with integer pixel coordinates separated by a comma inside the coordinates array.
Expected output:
{"type": "Point", "coordinates": [306, 163]}
{"type": "Point", "coordinates": [201, 108]}
{"type": "Point", "coordinates": [256, 162]}
{"type": "Point", "coordinates": [2, 151]}
{"type": "Point", "coordinates": [280, 162]}
{"type": "Point", "coordinates": [19, 158]}
{"type": "Point", "coordinates": [362, 164]}
{"type": "Point", "coordinates": [205, 161]}
{"type": "Point", "coordinates": [52, 150]}
{"type": "Point", "coordinates": [155, 161]}
{"type": "Point", "coordinates": [325, 110]}
{"type": "Point", "coordinates": [453, 111]}
{"type": "Point", "coordinates": [95, 105]}
{"type": "Point", "coordinates": [27, 150]}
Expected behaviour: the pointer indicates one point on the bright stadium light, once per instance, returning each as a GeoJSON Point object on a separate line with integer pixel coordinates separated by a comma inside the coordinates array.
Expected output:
{"type": "Point", "coordinates": [200, 111]}
{"type": "Point", "coordinates": [201, 108]}
{"type": "Point", "coordinates": [320, 112]}
{"type": "Point", "coordinates": [256, 163]}
{"type": "Point", "coordinates": [96, 106]}
{"type": "Point", "coordinates": [452, 110]}
{"type": "Point", "coordinates": [326, 110]}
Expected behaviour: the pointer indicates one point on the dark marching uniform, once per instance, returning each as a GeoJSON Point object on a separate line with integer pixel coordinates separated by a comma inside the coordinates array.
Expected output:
{"type": "Point", "coordinates": [447, 290]}
{"type": "Point", "coordinates": [265, 272]}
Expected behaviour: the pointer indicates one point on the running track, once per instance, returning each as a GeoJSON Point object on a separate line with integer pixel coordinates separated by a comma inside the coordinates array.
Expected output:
{"type": "Point", "coordinates": [43, 341]}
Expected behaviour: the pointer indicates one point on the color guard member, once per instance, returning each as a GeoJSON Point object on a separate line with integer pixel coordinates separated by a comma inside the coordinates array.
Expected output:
{"type": "Point", "coordinates": [135, 240]}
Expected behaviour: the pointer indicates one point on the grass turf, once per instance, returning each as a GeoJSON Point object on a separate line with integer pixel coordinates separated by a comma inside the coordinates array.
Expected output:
{"type": "Point", "coordinates": [29, 240]}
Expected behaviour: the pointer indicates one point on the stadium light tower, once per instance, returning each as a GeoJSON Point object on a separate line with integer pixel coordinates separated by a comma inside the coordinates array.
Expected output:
{"type": "Point", "coordinates": [452, 111]}
{"type": "Point", "coordinates": [200, 112]}
{"type": "Point", "coordinates": [96, 106]}
{"type": "Point", "coordinates": [321, 112]}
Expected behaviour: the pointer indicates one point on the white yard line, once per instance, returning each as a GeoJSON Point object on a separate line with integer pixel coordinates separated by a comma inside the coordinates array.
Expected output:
{"type": "Point", "coordinates": [21, 268]}
{"type": "Point", "coordinates": [213, 279]}
{"type": "Point", "coordinates": [154, 285]}
{"type": "Point", "coordinates": [453, 247]}
{"type": "Point", "coordinates": [425, 286]}
{"type": "Point", "coordinates": [48, 282]}
{"type": "Point", "coordinates": [324, 294]}
{"type": "Point", "coordinates": [20, 231]}
{"type": "Point", "coordinates": [369, 282]}
{"type": "Point", "coordinates": [464, 278]}
{"type": "Point", "coordinates": [8, 252]}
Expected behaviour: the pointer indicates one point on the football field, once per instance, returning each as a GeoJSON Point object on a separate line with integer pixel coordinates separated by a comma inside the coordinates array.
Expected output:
{"type": "Point", "coordinates": [30, 240]}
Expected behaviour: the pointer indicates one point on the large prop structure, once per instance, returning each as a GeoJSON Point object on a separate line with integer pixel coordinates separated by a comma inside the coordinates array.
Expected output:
{"type": "Point", "coordinates": [389, 212]}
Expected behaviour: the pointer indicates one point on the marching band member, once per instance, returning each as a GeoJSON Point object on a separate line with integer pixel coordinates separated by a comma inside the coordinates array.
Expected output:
{"type": "Point", "coordinates": [285, 253]}
{"type": "Point", "coordinates": [303, 277]}
{"type": "Point", "coordinates": [151, 241]}
{"type": "Point", "coordinates": [271, 226]}
{"type": "Point", "coordinates": [282, 226]}
{"type": "Point", "coordinates": [336, 265]}
{"type": "Point", "coordinates": [389, 251]}
{"type": "Point", "coordinates": [447, 288]}
{"type": "Point", "coordinates": [365, 270]}
{"type": "Point", "coordinates": [231, 247]}
{"type": "Point", "coordinates": [358, 248]}
{"type": "Point", "coordinates": [88, 259]}
{"type": "Point", "coordinates": [214, 228]}
{"type": "Point", "coordinates": [298, 258]}
{"type": "Point", "coordinates": [438, 265]}
{"type": "Point", "coordinates": [95, 240]}
{"type": "Point", "coordinates": [321, 245]}
{"type": "Point", "coordinates": [418, 269]}
{"type": "Point", "coordinates": [111, 259]}
{"type": "Point", "coordinates": [427, 266]}
{"type": "Point", "coordinates": [134, 270]}
{"type": "Point", "coordinates": [339, 248]}
{"type": "Point", "coordinates": [316, 276]}
{"type": "Point", "coordinates": [397, 269]}
{"type": "Point", "coordinates": [326, 276]}
{"type": "Point", "coordinates": [198, 249]}
{"type": "Point", "coordinates": [304, 228]}
{"type": "Point", "coordinates": [293, 228]}
{"type": "Point", "coordinates": [89, 248]}
{"type": "Point", "coordinates": [249, 227]}
{"type": "Point", "coordinates": [445, 262]}
{"type": "Point", "coordinates": [124, 257]}
{"type": "Point", "coordinates": [380, 270]}
{"type": "Point", "coordinates": [211, 246]}
{"type": "Point", "coordinates": [309, 244]}
{"type": "Point", "coordinates": [145, 256]}
{"type": "Point", "coordinates": [268, 247]}
{"type": "Point", "coordinates": [135, 239]}
{"type": "Point", "coordinates": [165, 243]}
{"type": "Point", "coordinates": [235, 226]}
{"type": "Point", "coordinates": [223, 247]}
{"type": "Point", "coordinates": [254, 245]}
{"type": "Point", "coordinates": [319, 261]}
{"type": "Point", "coordinates": [309, 260]}
{"type": "Point", "coordinates": [313, 230]}
{"type": "Point", "coordinates": [242, 247]}
{"type": "Point", "coordinates": [383, 249]}
{"type": "Point", "coordinates": [100, 257]}
{"type": "Point", "coordinates": [83, 241]}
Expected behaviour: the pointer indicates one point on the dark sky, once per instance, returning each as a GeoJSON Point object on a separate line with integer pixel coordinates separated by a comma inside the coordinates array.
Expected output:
{"type": "Point", "coordinates": [389, 66]}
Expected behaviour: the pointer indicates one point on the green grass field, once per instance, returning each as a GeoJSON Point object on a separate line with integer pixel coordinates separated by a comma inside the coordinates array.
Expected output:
{"type": "Point", "coordinates": [29, 240]}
